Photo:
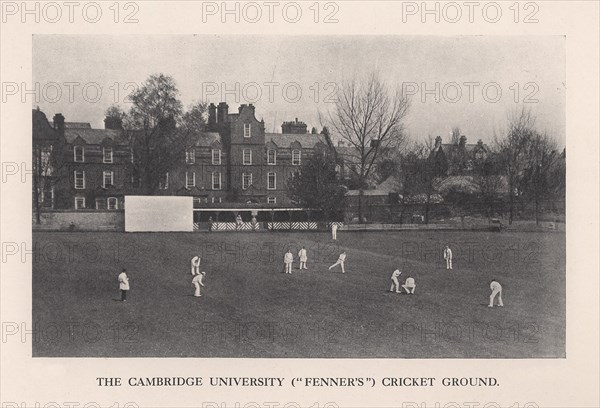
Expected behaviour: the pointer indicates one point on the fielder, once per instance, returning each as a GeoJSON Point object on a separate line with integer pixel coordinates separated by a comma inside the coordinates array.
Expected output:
{"type": "Point", "coordinates": [448, 257]}
{"type": "Point", "coordinates": [395, 276]}
{"type": "Point", "coordinates": [303, 258]}
{"type": "Point", "coordinates": [496, 290]}
{"type": "Point", "coordinates": [334, 228]}
{"type": "Point", "coordinates": [123, 284]}
{"type": "Point", "coordinates": [340, 262]}
{"type": "Point", "coordinates": [197, 282]}
{"type": "Point", "coordinates": [409, 286]}
{"type": "Point", "coordinates": [196, 265]}
{"type": "Point", "coordinates": [288, 260]}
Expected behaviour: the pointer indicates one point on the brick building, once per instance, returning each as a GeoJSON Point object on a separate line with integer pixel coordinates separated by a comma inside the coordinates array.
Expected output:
{"type": "Point", "coordinates": [457, 159]}
{"type": "Point", "coordinates": [233, 161]}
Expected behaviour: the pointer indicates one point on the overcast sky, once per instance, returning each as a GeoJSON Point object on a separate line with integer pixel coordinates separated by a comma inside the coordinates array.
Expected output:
{"type": "Point", "coordinates": [531, 67]}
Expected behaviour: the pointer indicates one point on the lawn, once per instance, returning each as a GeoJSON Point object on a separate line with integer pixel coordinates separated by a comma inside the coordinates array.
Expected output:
{"type": "Point", "coordinates": [249, 308]}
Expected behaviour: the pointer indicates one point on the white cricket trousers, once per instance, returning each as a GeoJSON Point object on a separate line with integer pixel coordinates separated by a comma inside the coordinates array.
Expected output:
{"type": "Point", "coordinates": [396, 284]}
{"type": "Point", "coordinates": [341, 263]}
{"type": "Point", "coordinates": [493, 295]}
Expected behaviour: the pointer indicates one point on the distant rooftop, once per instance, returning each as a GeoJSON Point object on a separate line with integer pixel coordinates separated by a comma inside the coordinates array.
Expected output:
{"type": "Point", "coordinates": [77, 125]}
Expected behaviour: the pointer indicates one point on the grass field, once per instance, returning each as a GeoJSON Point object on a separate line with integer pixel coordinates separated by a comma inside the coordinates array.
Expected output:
{"type": "Point", "coordinates": [249, 308]}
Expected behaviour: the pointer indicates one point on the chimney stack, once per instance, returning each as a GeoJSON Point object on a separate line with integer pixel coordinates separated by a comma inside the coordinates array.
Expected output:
{"type": "Point", "coordinates": [59, 123]}
{"type": "Point", "coordinates": [212, 116]}
{"type": "Point", "coordinates": [222, 112]}
{"type": "Point", "coordinates": [294, 127]}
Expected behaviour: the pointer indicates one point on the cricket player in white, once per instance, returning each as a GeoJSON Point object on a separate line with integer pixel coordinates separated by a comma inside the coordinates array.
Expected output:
{"type": "Point", "coordinates": [123, 284]}
{"type": "Point", "coordinates": [197, 282]}
{"type": "Point", "coordinates": [303, 258]}
{"type": "Point", "coordinates": [496, 290]}
{"type": "Point", "coordinates": [409, 286]}
{"type": "Point", "coordinates": [288, 260]}
{"type": "Point", "coordinates": [395, 276]}
{"type": "Point", "coordinates": [340, 262]}
{"type": "Point", "coordinates": [448, 257]}
{"type": "Point", "coordinates": [334, 228]}
{"type": "Point", "coordinates": [196, 265]}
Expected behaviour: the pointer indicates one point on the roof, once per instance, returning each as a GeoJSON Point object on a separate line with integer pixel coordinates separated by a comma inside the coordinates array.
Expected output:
{"type": "Point", "coordinates": [346, 151]}
{"type": "Point", "coordinates": [469, 184]}
{"type": "Point", "coordinates": [286, 139]}
{"type": "Point", "coordinates": [375, 192]}
{"type": "Point", "coordinates": [464, 184]}
{"type": "Point", "coordinates": [41, 129]}
{"type": "Point", "coordinates": [77, 125]}
{"type": "Point", "coordinates": [207, 139]}
{"type": "Point", "coordinates": [391, 185]}
{"type": "Point", "coordinates": [469, 147]}
{"type": "Point", "coordinates": [93, 136]}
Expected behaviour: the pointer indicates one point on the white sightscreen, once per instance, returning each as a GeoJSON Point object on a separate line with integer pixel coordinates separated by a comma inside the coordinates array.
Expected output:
{"type": "Point", "coordinates": [159, 214]}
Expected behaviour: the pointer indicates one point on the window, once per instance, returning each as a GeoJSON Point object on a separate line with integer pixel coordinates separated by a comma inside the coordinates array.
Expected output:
{"type": "Point", "coordinates": [190, 156]}
{"type": "Point", "coordinates": [47, 196]}
{"type": "Point", "coordinates": [216, 157]}
{"type": "Point", "coordinates": [107, 179]}
{"type": "Point", "coordinates": [135, 178]}
{"type": "Point", "coordinates": [271, 157]}
{"type": "Point", "coordinates": [247, 159]}
{"type": "Point", "coordinates": [296, 157]}
{"type": "Point", "coordinates": [112, 203]}
{"type": "Point", "coordinates": [247, 130]}
{"type": "Point", "coordinates": [246, 180]}
{"type": "Point", "coordinates": [272, 200]}
{"type": "Point", "coordinates": [216, 181]}
{"type": "Point", "coordinates": [100, 204]}
{"type": "Point", "coordinates": [45, 161]}
{"type": "Point", "coordinates": [107, 155]}
{"type": "Point", "coordinates": [163, 183]}
{"type": "Point", "coordinates": [79, 203]}
{"type": "Point", "coordinates": [79, 179]}
{"type": "Point", "coordinates": [271, 181]}
{"type": "Point", "coordinates": [190, 179]}
{"type": "Point", "coordinates": [78, 154]}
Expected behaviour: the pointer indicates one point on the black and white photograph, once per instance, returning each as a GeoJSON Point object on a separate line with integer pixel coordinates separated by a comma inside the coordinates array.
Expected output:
{"type": "Point", "coordinates": [299, 204]}
{"type": "Point", "coordinates": [255, 196]}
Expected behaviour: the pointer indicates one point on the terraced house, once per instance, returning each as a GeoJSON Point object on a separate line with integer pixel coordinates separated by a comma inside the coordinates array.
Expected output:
{"type": "Point", "coordinates": [234, 161]}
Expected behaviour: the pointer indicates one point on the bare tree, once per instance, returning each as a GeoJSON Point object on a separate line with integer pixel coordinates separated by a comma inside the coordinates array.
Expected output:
{"type": "Point", "coordinates": [47, 173]}
{"type": "Point", "coordinates": [489, 181]}
{"type": "Point", "coordinates": [513, 149]}
{"type": "Point", "coordinates": [369, 117]}
{"type": "Point", "coordinates": [541, 175]}
{"type": "Point", "coordinates": [48, 163]}
{"type": "Point", "coordinates": [455, 135]}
